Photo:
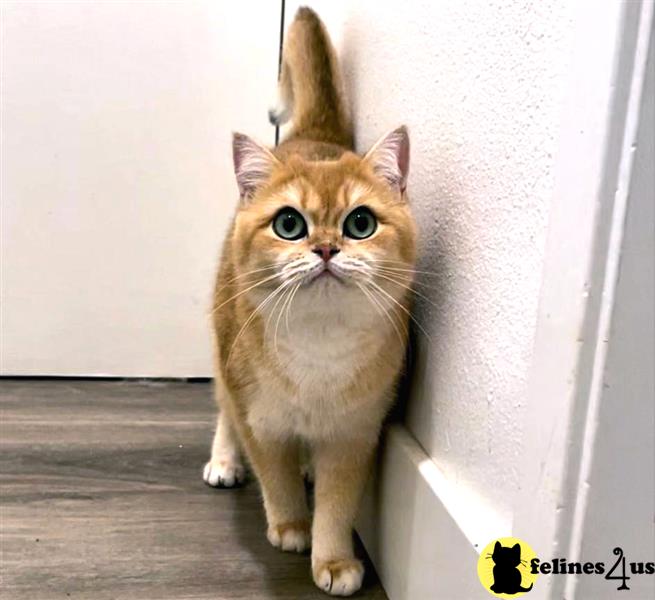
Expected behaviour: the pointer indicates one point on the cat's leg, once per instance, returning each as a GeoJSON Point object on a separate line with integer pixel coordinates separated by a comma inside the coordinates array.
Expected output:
{"type": "Point", "coordinates": [225, 467]}
{"type": "Point", "coordinates": [276, 463]}
{"type": "Point", "coordinates": [341, 472]}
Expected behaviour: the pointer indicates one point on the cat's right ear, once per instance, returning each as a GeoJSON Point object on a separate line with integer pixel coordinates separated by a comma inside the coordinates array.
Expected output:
{"type": "Point", "coordinates": [497, 547]}
{"type": "Point", "coordinates": [253, 164]}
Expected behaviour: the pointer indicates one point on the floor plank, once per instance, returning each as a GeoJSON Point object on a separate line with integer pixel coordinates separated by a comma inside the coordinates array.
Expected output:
{"type": "Point", "coordinates": [102, 499]}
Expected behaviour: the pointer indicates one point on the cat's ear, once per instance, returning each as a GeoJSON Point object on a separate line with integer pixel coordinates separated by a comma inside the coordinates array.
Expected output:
{"type": "Point", "coordinates": [517, 549]}
{"type": "Point", "coordinates": [497, 547]}
{"type": "Point", "coordinates": [389, 158]}
{"type": "Point", "coordinates": [253, 164]}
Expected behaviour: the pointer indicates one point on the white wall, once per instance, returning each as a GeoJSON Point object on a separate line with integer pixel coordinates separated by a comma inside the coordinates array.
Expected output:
{"type": "Point", "coordinates": [117, 181]}
{"type": "Point", "coordinates": [587, 314]}
{"type": "Point", "coordinates": [619, 473]}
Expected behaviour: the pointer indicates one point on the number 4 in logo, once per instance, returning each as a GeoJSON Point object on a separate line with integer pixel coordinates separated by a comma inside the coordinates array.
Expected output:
{"type": "Point", "coordinates": [622, 577]}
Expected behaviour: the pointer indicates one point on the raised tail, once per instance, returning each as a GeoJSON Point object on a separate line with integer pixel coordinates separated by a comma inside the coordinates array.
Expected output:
{"type": "Point", "coordinates": [310, 90]}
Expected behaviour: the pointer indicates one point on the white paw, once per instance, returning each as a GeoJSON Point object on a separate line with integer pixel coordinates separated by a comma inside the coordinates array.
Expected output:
{"type": "Point", "coordinates": [339, 577]}
{"type": "Point", "coordinates": [224, 473]}
{"type": "Point", "coordinates": [290, 537]}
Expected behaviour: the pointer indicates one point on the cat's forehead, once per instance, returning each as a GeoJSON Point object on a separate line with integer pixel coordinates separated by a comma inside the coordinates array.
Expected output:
{"type": "Point", "coordinates": [325, 190]}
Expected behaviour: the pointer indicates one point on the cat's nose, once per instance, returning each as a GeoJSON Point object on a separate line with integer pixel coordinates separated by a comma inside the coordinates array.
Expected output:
{"type": "Point", "coordinates": [326, 251]}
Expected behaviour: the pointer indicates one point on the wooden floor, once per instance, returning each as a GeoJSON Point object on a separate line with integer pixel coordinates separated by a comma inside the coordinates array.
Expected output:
{"type": "Point", "coordinates": [102, 497]}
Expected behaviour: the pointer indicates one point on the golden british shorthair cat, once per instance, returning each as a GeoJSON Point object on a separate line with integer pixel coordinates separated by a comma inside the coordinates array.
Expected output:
{"type": "Point", "coordinates": [311, 310]}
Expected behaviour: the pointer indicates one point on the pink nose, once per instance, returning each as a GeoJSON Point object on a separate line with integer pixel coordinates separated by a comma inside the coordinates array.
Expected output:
{"type": "Point", "coordinates": [325, 251]}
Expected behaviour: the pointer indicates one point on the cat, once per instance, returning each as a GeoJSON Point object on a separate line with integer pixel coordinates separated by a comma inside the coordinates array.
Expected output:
{"type": "Point", "coordinates": [311, 309]}
{"type": "Point", "coordinates": [507, 577]}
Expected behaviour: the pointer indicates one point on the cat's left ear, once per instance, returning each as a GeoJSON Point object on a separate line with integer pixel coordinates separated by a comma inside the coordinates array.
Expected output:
{"type": "Point", "coordinates": [516, 548]}
{"type": "Point", "coordinates": [253, 164]}
{"type": "Point", "coordinates": [389, 158]}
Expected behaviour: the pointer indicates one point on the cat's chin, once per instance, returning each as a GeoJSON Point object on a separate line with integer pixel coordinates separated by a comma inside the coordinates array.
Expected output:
{"type": "Point", "coordinates": [324, 279]}
{"type": "Point", "coordinates": [328, 294]}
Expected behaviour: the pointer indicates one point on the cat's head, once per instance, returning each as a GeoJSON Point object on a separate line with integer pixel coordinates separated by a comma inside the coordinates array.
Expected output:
{"type": "Point", "coordinates": [337, 228]}
{"type": "Point", "coordinates": [507, 556]}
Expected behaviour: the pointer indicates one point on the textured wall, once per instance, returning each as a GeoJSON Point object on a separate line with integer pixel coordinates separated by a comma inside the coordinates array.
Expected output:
{"type": "Point", "coordinates": [480, 86]}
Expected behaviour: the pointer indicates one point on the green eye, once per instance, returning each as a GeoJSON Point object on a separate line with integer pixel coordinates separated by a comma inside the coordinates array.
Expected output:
{"type": "Point", "coordinates": [360, 224]}
{"type": "Point", "coordinates": [289, 224]}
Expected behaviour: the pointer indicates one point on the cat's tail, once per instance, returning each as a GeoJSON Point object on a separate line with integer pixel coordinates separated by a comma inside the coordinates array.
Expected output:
{"type": "Point", "coordinates": [522, 589]}
{"type": "Point", "coordinates": [310, 90]}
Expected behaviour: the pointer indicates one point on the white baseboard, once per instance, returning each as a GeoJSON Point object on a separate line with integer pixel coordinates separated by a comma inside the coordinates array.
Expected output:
{"type": "Point", "coordinates": [421, 532]}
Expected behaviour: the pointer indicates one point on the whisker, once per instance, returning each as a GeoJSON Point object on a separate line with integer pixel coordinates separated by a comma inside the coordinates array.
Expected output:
{"type": "Point", "coordinates": [383, 313]}
{"type": "Point", "coordinates": [293, 295]}
{"type": "Point", "coordinates": [289, 271]}
{"type": "Point", "coordinates": [390, 260]}
{"type": "Point", "coordinates": [376, 302]}
{"type": "Point", "coordinates": [262, 281]}
{"type": "Point", "coordinates": [390, 308]}
{"type": "Point", "coordinates": [277, 302]}
{"type": "Point", "coordinates": [408, 278]}
{"type": "Point", "coordinates": [402, 308]}
{"type": "Point", "coordinates": [252, 316]}
{"type": "Point", "coordinates": [270, 315]}
{"type": "Point", "coordinates": [380, 310]}
{"type": "Point", "coordinates": [267, 268]}
{"type": "Point", "coordinates": [277, 323]}
{"type": "Point", "coordinates": [410, 270]}
{"type": "Point", "coordinates": [407, 288]}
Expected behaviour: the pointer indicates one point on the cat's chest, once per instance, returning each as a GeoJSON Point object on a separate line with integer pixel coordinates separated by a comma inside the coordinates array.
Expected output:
{"type": "Point", "coordinates": [321, 373]}
{"type": "Point", "coordinates": [324, 361]}
{"type": "Point", "coordinates": [310, 396]}
{"type": "Point", "coordinates": [272, 415]}
{"type": "Point", "coordinates": [313, 386]}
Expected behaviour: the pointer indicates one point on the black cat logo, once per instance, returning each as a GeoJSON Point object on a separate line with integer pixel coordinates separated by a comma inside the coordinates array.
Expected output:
{"type": "Point", "coordinates": [507, 577]}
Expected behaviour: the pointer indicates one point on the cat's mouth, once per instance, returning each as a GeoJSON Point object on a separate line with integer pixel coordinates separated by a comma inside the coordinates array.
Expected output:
{"type": "Point", "coordinates": [324, 274]}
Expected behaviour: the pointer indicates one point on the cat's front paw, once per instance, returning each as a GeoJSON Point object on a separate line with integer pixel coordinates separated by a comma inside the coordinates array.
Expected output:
{"type": "Point", "coordinates": [224, 473]}
{"type": "Point", "coordinates": [290, 537]}
{"type": "Point", "coordinates": [338, 577]}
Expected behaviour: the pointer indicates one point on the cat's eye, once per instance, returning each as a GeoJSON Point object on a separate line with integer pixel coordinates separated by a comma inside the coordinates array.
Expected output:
{"type": "Point", "coordinates": [360, 224]}
{"type": "Point", "coordinates": [289, 224]}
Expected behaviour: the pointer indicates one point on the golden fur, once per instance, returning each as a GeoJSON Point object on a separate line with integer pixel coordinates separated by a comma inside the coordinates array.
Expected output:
{"type": "Point", "coordinates": [308, 349]}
